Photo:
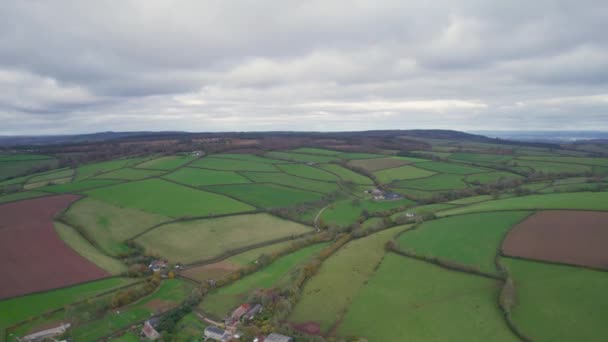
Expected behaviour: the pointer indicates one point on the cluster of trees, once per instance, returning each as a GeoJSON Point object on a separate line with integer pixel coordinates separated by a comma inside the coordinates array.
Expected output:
{"type": "Point", "coordinates": [168, 322]}
{"type": "Point", "coordinates": [131, 294]}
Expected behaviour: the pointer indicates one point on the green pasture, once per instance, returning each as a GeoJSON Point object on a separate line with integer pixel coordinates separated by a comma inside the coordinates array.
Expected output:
{"type": "Point", "coordinates": [471, 240]}
{"type": "Point", "coordinates": [169, 199]}
{"type": "Point", "coordinates": [346, 212]}
{"type": "Point", "coordinates": [403, 172]}
{"type": "Point", "coordinates": [376, 164]}
{"type": "Point", "coordinates": [129, 174]}
{"type": "Point", "coordinates": [202, 177]}
{"type": "Point", "coordinates": [575, 200]}
{"type": "Point", "coordinates": [221, 301]}
{"type": "Point", "coordinates": [481, 158]}
{"type": "Point", "coordinates": [551, 167]}
{"type": "Point", "coordinates": [166, 163]}
{"type": "Point", "coordinates": [292, 181]}
{"type": "Point", "coordinates": [423, 209]}
{"type": "Point", "coordinates": [346, 174]}
{"type": "Point", "coordinates": [23, 157]}
{"type": "Point", "coordinates": [50, 175]}
{"type": "Point", "coordinates": [412, 300]}
{"type": "Point", "coordinates": [96, 169]}
{"type": "Point", "coordinates": [491, 177]}
{"type": "Point", "coordinates": [327, 295]}
{"type": "Point", "coordinates": [307, 171]}
{"type": "Point", "coordinates": [442, 181]}
{"type": "Point", "coordinates": [267, 195]}
{"type": "Point", "coordinates": [301, 157]}
{"type": "Point", "coordinates": [359, 155]}
{"type": "Point", "coordinates": [191, 241]}
{"type": "Point", "coordinates": [319, 151]}
{"type": "Point", "coordinates": [248, 157]}
{"type": "Point", "coordinates": [570, 160]}
{"type": "Point", "coordinates": [232, 165]}
{"type": "Point", "coordinates": [11, 169]}
{"type": "Point", "coordinates": [40, 184]}
{"type": "Point", "coordinates": [110, 225]}
{"type": "Point", "coordinates": [444, 167]}
{"type": "Point", "coordinates": [559, 303]}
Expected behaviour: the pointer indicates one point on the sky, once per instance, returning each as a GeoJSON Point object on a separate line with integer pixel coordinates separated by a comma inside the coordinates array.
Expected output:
{"type": "Point", "coordinates": [90, 66]}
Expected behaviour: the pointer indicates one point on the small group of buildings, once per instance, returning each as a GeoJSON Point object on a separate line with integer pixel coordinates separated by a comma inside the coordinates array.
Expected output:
{"type": "Point", "coordinates": [379, 195]}
{"type": "Point", "coordinates": [243, 312]}
{"type": "Point", "coordinates": [149, 329]}
{"type": "Point", "coordinates": [158, 265]}
{"type": "Point", "coordinates": [46, 334]}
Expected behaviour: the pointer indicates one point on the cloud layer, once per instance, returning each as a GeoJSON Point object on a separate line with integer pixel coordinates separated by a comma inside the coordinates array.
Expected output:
{"type": "Point", "coordinates": [73, 66]}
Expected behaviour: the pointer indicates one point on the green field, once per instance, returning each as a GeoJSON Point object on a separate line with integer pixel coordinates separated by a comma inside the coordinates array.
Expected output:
{"type": "Point", "coordinates": [358, 155]}
{"type": "Point", "coordinates": [10, 169]}
{"type": "Point", "coordinates": [328, 294]}
{"type": "Point", "coordinates": [306, 171]}
{"type": "Point", "coordinates": [471, 240]}
{"type": "Point", "coordinates": [559, 303]}
{"type": "Point", "coordinates": [376, 164]}
{"type": "Point", "coordinates": [87, 251]}
{"type": "Point", "coordinates": [344, 213]}
{"type": "Point", "coordinates": [267, 195]}
{"type": "Point", "coordinates": [170, 292]}
{"type": "Point", "coordinates": [51, 175]}
{"type": "Point", "coordinates": [440, 181]}
{"type": "Point", "coordinates": [201, 177]}
{"type": "Point", "coordinates": [189, 328]}
{"type": "Point", "coordinates": [191, 241]}
{"type": "Point", "coordinates": [451, 168]}
{"type": "Point", "coordinates": [481, 158]}
{"type": "Point", "coordinates": [222, 301]}
{"type": "Point", "coordinates": [165, 198]}
{"type": "Point", "coordinates": [23, 157]}
{"type": "Point", "coordinates": [129, 174]}
{"type": "Point", "coordinates": [346, 174]}
{"type": "Point", "coordinates": [248, 157]}
{"type": "Point", "coordinates": [575, 200]}
{"type": "Point", "coordinates": [232, 165]}
{"type": "Point", "coordinates": [551, 168]}
{"type": "Point", "coordinates": [79, 186]}
{"type": "Point", "coordinates": [412, 300]}
{"type": "Point", "coordinates": [424, 209]}
{"type": "Point", "coordinates": [128, 337]}
{"type": "Point", "coordinates": [491, 177]}
{"type": "Point", "coordinates": [570, 160]}
{"type": "Point", "coordinates": [92, 170]}
{"type": "Point", "coordinates": [21, 308]}
{"type": "Point", "coordinates": [300, 157]}
{"type": "Point", "coordinates": [166, 163]}
{"type": "Point", "coordinates": [110, 225]}
{"type": "Point", "coordinates": [403, 172]}
{"type": "Point", "coordinates": [319, 151]}
{"type": "Point", "coordinates": [20, 196]}
{"type": "Point", "coordinates": [292, 181]}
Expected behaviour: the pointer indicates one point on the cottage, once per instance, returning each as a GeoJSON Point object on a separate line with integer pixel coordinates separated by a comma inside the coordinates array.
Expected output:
{"type": "Point", "coordinates": [253, 311]}
{"type": "Point", "coordinates": [157, 265]}
{"type": "Point", "coordinates": [216, 334]}
{"type": "Point", "coordinates": [149, 332]}
{"type": "Point", "coordinates": [239, 312]}
{"type": "Point", "coordinates": [274, 337]}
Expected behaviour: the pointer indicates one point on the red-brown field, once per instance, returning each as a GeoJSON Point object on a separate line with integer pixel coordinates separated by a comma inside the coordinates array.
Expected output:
{"type": "Point", "coordinates": [32, 256]}
{"type": "Point", "coordinates": [569, 237]}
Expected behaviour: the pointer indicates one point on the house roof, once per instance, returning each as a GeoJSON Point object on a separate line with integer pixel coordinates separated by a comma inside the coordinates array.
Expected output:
{"type": "Point", "coordinates": [150, 332]}
{"type": "Point", "coordinates": [214, 329]}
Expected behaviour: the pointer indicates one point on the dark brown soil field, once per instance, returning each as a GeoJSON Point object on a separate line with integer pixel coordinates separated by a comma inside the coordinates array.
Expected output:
{"type": "Point", "coordinates": [569, 237]}
{"type": "Point", "coordinates": [32, 256]}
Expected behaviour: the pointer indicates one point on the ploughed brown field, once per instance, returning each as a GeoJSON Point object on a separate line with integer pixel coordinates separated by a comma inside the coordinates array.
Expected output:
{"type": "Point", "coordinates": [32, 256]}
{"type": "Point", "coordinates": [569, 237]}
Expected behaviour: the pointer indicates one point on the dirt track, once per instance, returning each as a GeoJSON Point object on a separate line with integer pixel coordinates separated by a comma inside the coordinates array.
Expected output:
{"type": "Point", "coordinates": [32, 256]}
{"type": "Point", "coordinates": [570, 237]}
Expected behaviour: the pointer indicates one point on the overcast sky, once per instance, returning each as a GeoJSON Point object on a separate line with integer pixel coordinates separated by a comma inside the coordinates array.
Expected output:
{"type": "Point", "coordinates": [87, 66]}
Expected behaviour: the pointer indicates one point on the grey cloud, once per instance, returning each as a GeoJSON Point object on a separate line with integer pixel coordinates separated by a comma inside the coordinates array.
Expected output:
{"type": "Point", "coordinates": [323, 65]}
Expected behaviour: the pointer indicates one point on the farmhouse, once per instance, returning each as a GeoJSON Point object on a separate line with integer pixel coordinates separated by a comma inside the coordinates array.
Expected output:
{"type": "Point", "coordinates": [157, 265]}
{"type": "Point", "coordinates": [148, 330]}
{"type": "Point", "coordinates": [216, 334]}
{"type": "Point", "coordinates": [252, 312]}
{"type": "Point", "coordinates": [239, 312]}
